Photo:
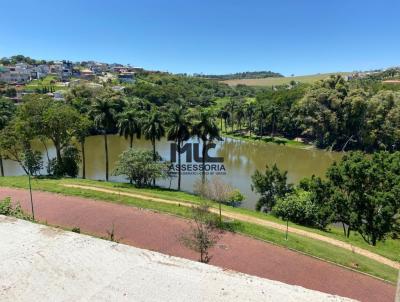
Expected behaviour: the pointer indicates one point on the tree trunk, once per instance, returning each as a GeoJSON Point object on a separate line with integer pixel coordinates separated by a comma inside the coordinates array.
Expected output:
{"type": "Point", "coordinates": [221, 123]}
{"type": "Point", "coordinates": [131, 141]}
{"type": "Point", "coordinates": [348, 231]}
{"type": "Point", "coordinates": [83, 159]}
{"type": "Point", "coordinates": [220, 213]}
{"type": "Point", "coordinates": [153, 141]}
{"type": "Point", "coordinates": [1, 166]}
{"type": "Point", "coordinates": [203, 174]}
{"type": "Point", "coordinates": [58, 153]}
{"type": "Point", "coordinates": [106, 150]}
{"type": "Point", "coordinates": [179, 165]}
{"type": "Point", "coordinates": [250, 126]}
{"type": "Point", "coordinates": [344, 229]}
{"type": "Point", "coordinates": [273, 127]}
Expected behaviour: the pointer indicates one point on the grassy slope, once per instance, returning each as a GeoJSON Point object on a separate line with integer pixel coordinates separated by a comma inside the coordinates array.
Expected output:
{"type": "Point", "coordinates": [389, 249]}
{"type": "Point", "coordinates": [45, 82]}
{"type": "Point", "coordinates": [268, 82]}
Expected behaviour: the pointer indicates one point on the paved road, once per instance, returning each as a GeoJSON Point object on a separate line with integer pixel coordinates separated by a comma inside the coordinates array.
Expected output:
{"type": "Point", "coordinates": [255, 220]}
{"type": "Point", "coordinates": [160, 232]}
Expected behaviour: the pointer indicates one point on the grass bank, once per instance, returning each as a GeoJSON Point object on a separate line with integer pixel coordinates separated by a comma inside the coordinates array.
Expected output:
{"type": "Point", "coordinates": [271, 140]}
{"type": "Point", "coordinates": [389, 249]}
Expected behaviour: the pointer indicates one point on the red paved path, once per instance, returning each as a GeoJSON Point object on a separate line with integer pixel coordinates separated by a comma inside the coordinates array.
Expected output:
{"type": "Point", "coordinates": [160, 232]}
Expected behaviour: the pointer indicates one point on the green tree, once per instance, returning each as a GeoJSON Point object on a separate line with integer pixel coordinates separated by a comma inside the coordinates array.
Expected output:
{"type": "Point", "coordinates": [104, 111]}
{"type": "Point", "coordinates": [82, 131]}
{"type": "Point", "coordinates": [7, 110]}
{"type": "Point", "coordinates": [15, 146]}
{"type": "Point", "coordinates": [250, 111]}
{"type": "Point", "coordinates": [271, 185]}
{"type": "Point", "coordinates": [178, 131]}
{"type": "Point", "coordinates": [59, 122]}
{"type": "Point", "coordinates": [139, 167]}
{"type": "Point", "coordinates": [153, 129]}
{"type": "Point", "coordinates": [369, 187]}
{"type": "Point", "coordinates": [129, 124]}
{"type": "Point", "coordinates": [206, 130]}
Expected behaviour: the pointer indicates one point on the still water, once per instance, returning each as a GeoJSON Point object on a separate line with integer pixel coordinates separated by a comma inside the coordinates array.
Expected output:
{"type": "Point", "coordinates": [241, 159]}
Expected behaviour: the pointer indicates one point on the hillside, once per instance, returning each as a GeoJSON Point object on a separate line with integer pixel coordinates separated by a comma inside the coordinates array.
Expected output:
{"type": "Point", "coordinates": [241, 75]}
{"type": "Point", "coordinates": [275, 81]}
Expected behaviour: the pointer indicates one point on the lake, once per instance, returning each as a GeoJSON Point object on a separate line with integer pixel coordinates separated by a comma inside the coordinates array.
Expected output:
{"type": "Point", "coordinates": [240, 160]}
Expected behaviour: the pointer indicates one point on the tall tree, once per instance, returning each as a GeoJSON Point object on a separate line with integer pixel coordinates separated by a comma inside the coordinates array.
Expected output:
{"type": "Point", "coordinates": [129, 124]}
{"type": "Point", "coordinates": [250, 109]}
{"type": "Point", "coordinates": [271, 185]}
{"type": "Point", "coordinates": [7, 110]}
{"type": "Point", "coordinates": [231, 106]}
{"type": "Point", "coordinates": [369, 186]}
{"type": "Point", "coordinates": [206, 130]}
{"type": "Point", "coordinates": [153, 129]}
{"type": "Point", "coordinates": [178, 131]}
{"type": "Point", "coordinates": [103, 112]}
{"type": "Point", "coordinates": [82, 131]}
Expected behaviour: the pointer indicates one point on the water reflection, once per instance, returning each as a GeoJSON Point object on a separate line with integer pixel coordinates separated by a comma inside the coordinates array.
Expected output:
{"type": "Point", "coordinates": [241, 159]}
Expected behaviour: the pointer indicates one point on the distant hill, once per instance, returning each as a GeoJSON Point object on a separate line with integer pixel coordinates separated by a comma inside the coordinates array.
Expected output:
{"type": "Point", "coordinates": [276, 81]}
{"type": "Point", "coordinates": [241, 75]}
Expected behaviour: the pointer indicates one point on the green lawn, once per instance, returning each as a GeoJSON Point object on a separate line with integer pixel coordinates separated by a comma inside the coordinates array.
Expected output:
{"type": "Point", "coordinates": [268, 139]}
{"type": "Point", "coordinates": [269, 82]}
{"type": "Point", "coordinates": [389, 248]}
{"type": "Point", "coordinates": [45, 82]}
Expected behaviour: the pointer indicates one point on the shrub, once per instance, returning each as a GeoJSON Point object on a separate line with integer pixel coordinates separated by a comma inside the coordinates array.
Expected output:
{"type": "Point", "coordinates": [7, 209]}
{"type": "Point", "coordinates": [299, 207]}
{"type": "Point", "coordinates": [139, 167]}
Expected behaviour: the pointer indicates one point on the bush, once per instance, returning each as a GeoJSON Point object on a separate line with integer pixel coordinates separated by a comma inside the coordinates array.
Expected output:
{"type": "Point", "coordinates": [299, 207]}
{"type": "Point", "coordinates": [140, 168]}
{"type": "Point", "coordinates": [68, 166]}
{"type": "Point", "coordinates": [7, 209]}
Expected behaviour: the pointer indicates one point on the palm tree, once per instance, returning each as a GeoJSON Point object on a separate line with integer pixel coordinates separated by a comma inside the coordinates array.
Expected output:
{"type": "Point", "coordinates": [178, 131]}
{"type": "Point", "coordinates": [240, 113]}
{"type": "Point", "coordinates": [230, 106]}
{"type": "Point", "coordinates": [153, 129]}
{"type": "Point", "coordinates": [262, 115]}
{"type": "Point", "coordinates": [103, 112]}
{"type": "Point", "coordinates": [250, 113]}
{"type": "Point", "coordinates": [129, 124]}
{"type": "Point", "coordinates": [272, 109]}
{"type": "Point", "coordinates": [81, 132]}
{"type": "Point", "coordinates": [206, 130]}
{"type": "Point", "coordinates": [7, 109]}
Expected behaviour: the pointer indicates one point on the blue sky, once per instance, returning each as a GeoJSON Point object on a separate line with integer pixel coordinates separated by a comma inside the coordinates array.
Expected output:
{"type": "Point", "coordinates": [220, 36]}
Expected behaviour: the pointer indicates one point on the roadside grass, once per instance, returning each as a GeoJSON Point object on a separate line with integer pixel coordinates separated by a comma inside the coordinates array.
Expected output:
{"type": "Point", "coordinates": [390, 248]}
{"type": "Point", "coordinates": [269, 82]}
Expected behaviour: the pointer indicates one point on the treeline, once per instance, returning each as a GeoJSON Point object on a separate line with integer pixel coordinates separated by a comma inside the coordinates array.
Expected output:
{"type": "Point", "coordinates": [87, 112]}
{"type": "Point", "coordinates": [333, 114]}
{"type": "Point", "coordinates": [241, 75]}
{"type": "Point", "coordinates": [22, 59]}
{"type": "Point", "coordinates": [361, 192]}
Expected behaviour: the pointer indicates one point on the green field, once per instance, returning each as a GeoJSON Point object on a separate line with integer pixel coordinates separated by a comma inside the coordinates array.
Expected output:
{"type": "Point", "coordinates": [269, 82]}
{"type": "Point", "coordinates": [390, 248]}
{"type": "Point", "coordinates": [45, 82]}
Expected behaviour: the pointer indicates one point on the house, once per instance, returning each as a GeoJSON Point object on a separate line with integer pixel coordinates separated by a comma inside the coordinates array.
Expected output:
{"type": "Point", "coordinates": [126, 77]}
{"type": "Point", "coordinates": [17, 74]}
{"type": "Point", "coordinates": [87, 74]}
